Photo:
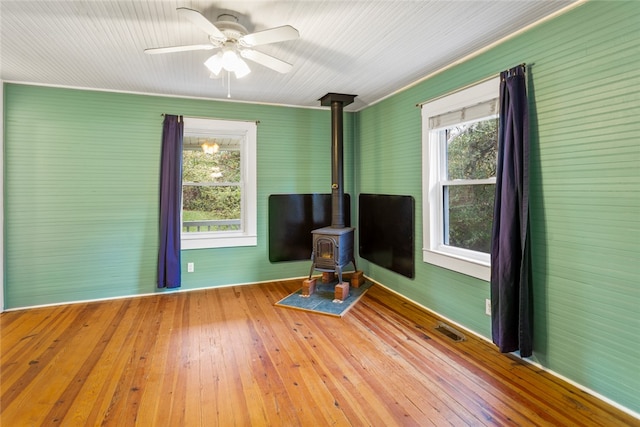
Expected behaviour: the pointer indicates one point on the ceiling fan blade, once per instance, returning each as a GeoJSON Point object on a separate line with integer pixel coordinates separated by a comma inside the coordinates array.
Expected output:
{"type": "Point", "coordinates": [272, 35]}
{"type": "Point", "coordinates": [200, 21]}
{"type": "Point", "coordinates": [170, 49]}
{"type": "Point", "coordinates": [266, 60]}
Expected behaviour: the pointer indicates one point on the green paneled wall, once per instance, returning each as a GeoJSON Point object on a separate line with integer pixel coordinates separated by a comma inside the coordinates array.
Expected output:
{"type": "Point", "coordinates": [82, 173]}
{"type": "Point", "coordinates": [585, 200]}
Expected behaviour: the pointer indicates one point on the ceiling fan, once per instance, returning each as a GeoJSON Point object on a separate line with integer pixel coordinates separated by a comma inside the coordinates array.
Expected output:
{"type": "Point", "coordinates": [234, 43]}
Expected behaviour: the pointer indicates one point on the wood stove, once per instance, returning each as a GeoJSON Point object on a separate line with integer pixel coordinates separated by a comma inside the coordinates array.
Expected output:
{"type": "Point", "coordinates": [332, 250]}
{"type": "Point", "coordinates": [333, 245]}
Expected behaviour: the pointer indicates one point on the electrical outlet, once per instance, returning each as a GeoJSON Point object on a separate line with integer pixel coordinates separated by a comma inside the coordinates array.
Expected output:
{"type": "Point", "coordinates": [189, 267]}
{"type": "Point", "coordinates": [487, 307]}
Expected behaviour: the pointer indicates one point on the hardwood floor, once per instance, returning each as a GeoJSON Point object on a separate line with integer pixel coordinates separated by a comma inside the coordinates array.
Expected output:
{"type": "Point", "coordinates": [228, 357]}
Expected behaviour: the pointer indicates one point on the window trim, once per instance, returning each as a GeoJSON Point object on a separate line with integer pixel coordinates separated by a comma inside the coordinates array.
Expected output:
{"type": "Point", "coordinates": [457, 259]}
{"type": "Point", "coordinates": [247, 236]}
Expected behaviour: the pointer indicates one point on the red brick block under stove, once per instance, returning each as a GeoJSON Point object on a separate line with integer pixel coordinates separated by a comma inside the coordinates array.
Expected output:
{"type": "Point", "coordinates": [308, 287]}
{"type": "Point", "coordinates": [357, 279]}
{"type": "Point", "coordinates": [328, 277]}
{"type": "Point", "coordinates": [341, 291]}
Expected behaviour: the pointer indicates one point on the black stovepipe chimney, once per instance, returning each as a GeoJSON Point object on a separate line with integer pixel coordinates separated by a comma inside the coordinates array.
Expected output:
{"type": "Point", "coordinates": [337, 102]}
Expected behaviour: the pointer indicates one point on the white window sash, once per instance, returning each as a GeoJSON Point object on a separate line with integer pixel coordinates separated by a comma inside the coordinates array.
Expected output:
{"type": "Point", "coordinates": [455, 182]}
{"type": "Point", "coordinates": [482, 96]}
{"type": "Point", "coordinates": [247, 235]}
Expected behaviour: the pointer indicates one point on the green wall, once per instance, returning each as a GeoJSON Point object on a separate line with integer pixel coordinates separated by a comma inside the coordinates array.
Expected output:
{"type": "Point", "coordinates": [81, 191]}
{"type": "Point", "coordinates": [584, 90]}
{"type": "Point", "coordinates": [82, 174]}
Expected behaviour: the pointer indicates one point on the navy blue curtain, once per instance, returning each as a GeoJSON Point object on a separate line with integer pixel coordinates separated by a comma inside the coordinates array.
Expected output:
{"type": "Point", "coordinates": [511, 301]}
{"type": "Point", "coordinates": [170, 193]}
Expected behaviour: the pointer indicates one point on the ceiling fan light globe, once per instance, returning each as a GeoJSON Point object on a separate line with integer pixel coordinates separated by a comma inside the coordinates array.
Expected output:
{"type": "Point", "coordinates": [241, 69]}
{"type": "Point", "coordinates": [214, 63]}
{"type": "Point", "coordinates": [240, 74]}
{"type": "Point", "coordinates": [229, 60]}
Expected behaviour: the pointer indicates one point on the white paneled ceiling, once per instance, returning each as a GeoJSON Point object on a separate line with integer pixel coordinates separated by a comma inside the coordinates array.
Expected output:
{"type": "Point", "coordinates": [367, 48]}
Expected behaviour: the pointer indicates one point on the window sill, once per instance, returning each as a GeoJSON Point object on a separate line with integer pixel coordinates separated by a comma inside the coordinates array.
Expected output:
{"type": "Point", "coordinates": [470, 267]}
{"type": "Point", "coordinates": [208, 242]}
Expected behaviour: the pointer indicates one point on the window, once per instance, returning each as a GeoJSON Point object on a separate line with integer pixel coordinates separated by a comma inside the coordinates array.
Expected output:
{"type": "Point", "coordinates": [460, 142]}
{"type": "Point", "coordinates": [218, 184]}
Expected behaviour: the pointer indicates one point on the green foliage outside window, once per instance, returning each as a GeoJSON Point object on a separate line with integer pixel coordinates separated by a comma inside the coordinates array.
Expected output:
{"type": "Point", "coordinates": [211, 188]}
{"type": "Point", "coordinates": [471, 154]}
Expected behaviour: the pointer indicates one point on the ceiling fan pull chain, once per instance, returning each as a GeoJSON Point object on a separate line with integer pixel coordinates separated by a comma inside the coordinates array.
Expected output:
{"type": "Point", "coordinates": [228, 84]}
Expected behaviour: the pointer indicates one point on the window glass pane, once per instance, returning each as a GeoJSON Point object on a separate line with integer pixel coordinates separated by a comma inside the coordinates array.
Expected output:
{"type": "Point", "coordinates": [471, 150]}
{"type": "Point", "coordinates": [468, 216]}
{"type": "Point", "coordinates": [211, 191]}
{"type": "Point", "coordinates": [221, 166]}
{"type": "Point", "coordinates": [210, 208]}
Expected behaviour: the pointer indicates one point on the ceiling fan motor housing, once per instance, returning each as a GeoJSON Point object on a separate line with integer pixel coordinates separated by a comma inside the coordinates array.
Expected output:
{"type": "Point", "coordinates": [229, 26]}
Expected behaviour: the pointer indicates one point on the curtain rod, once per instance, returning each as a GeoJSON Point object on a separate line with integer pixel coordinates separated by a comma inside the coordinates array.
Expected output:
{"type": "Point", "coordinates": [493, 76]}
{"type": "Point", "coordinates": [212, 118]}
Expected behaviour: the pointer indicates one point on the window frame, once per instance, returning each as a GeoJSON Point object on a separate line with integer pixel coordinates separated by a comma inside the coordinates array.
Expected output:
{"type": "Point", "coordinates": [471, 263]}
{"type": "Point", "coordinates": [246, 131]}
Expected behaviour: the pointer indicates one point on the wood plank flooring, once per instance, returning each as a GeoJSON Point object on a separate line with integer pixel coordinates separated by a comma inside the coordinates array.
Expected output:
{"type": "Point", "coordinates": [228, 357]}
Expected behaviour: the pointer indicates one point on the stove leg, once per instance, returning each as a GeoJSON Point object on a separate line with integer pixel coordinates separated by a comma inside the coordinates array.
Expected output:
{"type": "Point", "coordinates": [313, 266]}
{"type": "Point", "coordinates": [341, 290]}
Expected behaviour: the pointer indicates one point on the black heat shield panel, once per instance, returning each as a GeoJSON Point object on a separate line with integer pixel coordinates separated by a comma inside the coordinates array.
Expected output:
{"type": "Point", "coordinates": [386, 231]}
{"type": "Point", "coordinates": [292, 218]}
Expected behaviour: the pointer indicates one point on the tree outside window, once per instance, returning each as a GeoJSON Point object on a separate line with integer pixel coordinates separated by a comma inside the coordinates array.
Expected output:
{"type": "Point", "coordinates": [212, 191]}
{"type": "Point", "coordinates": [468, 206]}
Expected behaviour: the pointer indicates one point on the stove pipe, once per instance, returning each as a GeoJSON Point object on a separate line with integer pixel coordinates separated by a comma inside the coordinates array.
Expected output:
{"type": "Point", "coordinates": [337, 102]}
